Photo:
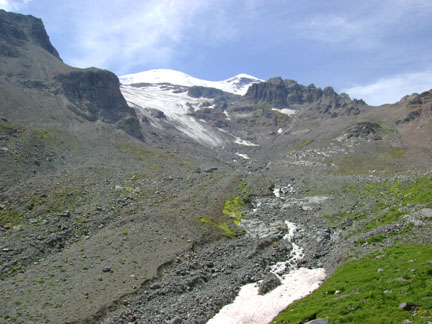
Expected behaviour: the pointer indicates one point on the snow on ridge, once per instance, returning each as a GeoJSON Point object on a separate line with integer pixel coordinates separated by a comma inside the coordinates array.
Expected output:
{"type": "Point", "coordinates": [236, 84]}
{"type": "Point", "coordinates": [175, 106]}
{"type": "Point", "coordinates": [240, 141]}
{"type": "Point", "coordinates": [242, 155]}
{"type": "Point", "coordinates": [285, 111]}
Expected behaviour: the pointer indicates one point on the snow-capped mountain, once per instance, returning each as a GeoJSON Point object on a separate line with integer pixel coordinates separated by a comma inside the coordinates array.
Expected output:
{"type": "Point", "coordinates": [175, 104]}
{"type": "Point", "coordinates": [166, 91]}
{"type": "Point", "coordinates": [238, 84]}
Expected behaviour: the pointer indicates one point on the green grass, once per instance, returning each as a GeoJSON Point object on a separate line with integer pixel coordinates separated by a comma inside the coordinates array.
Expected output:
{"type": "Point", "coordinates": [369, 296]}
{"type": "Point", "coordinates": [229, 230]}
{"type": "Point", "coordinates": [233, 208]}
{"type": "Point", "coordinates": [386, 202]}
{"type": "Point", "coordinates": [301, 144]}
{"type": "Point", "coordinates": [385, 126]}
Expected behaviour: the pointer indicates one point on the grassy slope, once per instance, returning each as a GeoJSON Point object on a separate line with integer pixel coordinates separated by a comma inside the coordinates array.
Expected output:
{"type": "Point", "coordinates": [364, 294]}
{"type": "Point", "coordinates": [370, 290]}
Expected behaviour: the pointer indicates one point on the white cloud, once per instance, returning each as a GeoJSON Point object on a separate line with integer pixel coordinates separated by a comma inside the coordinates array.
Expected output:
{"type": "Point", "coordinates": [393, 88]}
{"type": "Point", "coordinates": [365, 25]}
{"type": "Point", "coordinates": [13, 5]}
{"type": "Point", "coordinates": [151, 32]}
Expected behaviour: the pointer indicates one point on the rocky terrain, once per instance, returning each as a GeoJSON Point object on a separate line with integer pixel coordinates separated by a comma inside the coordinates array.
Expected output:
{"type": "Point", "coordinates": [155, 202]}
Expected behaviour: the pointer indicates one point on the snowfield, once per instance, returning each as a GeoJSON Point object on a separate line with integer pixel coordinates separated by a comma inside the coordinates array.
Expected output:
{"type": "Point", "coordinates": [238, 84]}
{"type": "Point", "coordinates": [176, 106]}
{"type": "Point", "coordinates": [251, 308]}
{"type": "Point", "coordinates": [165, 90]}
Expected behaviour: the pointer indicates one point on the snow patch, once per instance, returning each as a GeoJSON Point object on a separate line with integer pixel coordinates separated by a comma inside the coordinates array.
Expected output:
{"type": "Point", "coordinates": [285, 111]}
{"type": "Point", "coordinates": [240, 141]}
{"type": "Point", "coordinates": [244, 156]}
{"type": "Point", "coordinates": [280, 131]}
{"type": "Point", "coordinates": [238, 84]}
{"type": "Point", "coordinates": [251, 308]}
{"type": "Point", "coordinates": [288, 189]}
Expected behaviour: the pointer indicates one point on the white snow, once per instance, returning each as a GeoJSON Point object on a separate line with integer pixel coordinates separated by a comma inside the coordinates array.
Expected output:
{"type": "Point", "coordinates": [227, 115]}
{"type": "Point", "coordinates": [244, 156]}
{"type": "Point", "coordinates": [240, 141]}
{"type": "Point", "coordinates": [175, 105]}
{"type": "Point", "coordinates": [164, 90]}
{"type": "Point", "coordinates": [238, 84]}
{"type": "Point", "coordinates": [280, 131]}
{"type": "Point", "coordinates": [285, 111]}
{"type": "Point", "coordinates": [251, 308]}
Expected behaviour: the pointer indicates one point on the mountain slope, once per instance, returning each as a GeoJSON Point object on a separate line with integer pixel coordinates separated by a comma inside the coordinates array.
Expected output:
{"type": "Point", "coordinates": [155, 202]}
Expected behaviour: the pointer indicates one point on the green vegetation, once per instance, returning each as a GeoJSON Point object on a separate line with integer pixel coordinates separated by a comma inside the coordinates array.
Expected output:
{"type": "Point", "coordinates": [370, 290]}
{"type": "Point", "coordinates": [385, 126]}
{"type": "Point", "coordinates": [41, 135]}
{"type": "Point", "coordinates": [232, 231]}
{"type": "Point", "coordinates": [386, 202]}
{"type": "Point", "coordinates": [232, 208]}
{"type": "Point", "coordinates": [396, 153]}
{"type": "Point", "coordinates": [376, 239]}
{"type": "Point", "coordinates": [301, 144]}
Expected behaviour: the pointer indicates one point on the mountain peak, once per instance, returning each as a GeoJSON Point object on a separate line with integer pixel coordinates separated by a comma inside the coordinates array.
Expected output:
{"type": "Point", "coordinates": [238, 84]}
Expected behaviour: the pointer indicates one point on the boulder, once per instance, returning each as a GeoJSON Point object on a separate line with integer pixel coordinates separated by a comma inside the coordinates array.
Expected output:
{"type": "Point", "coordinates": [270, 282]}
{"type": "Point", "coordinates": [318, 321]}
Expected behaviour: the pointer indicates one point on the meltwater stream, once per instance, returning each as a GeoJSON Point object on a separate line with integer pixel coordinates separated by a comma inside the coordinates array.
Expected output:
{"type": "Point", "coordinates": [251, 308]}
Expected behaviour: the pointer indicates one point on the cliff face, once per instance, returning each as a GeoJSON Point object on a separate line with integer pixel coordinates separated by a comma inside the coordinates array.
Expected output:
{"type": "Point", "coordinates": [18, 30]}
{"type": "Point", "coordinates": [95, 95]}
{"type": "Point", "coordinates": [29, 60]}
{"type": "Point", "coordinates": [281, 93]}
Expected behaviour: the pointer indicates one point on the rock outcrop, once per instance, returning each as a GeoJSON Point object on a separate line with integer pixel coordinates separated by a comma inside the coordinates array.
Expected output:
{"type": "Point", "coordinates": [17, 30]}
{"type": "Point", "coordinates": [279, 93]}
{"type": "Point", "coordinates": [95, 95]}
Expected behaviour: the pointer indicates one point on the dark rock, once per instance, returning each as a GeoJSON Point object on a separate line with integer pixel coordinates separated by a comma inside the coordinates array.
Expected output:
{"type": "Point", "coordinates": [270, 282]}
{"type": "Point", "coordinates": [365, 130]}
{"type": "Point", "coordinates": [280, 93]}
{"type": "Point", "coordinates": [210, 170]}
{"type": "Point", "coordinates": [318, 321]}
{"type": "Point", "coordinates": [157, 114]}
{"type": "Point", "coordinates": [16, 30]}
{"type": "Point", "coordinates": [66, 213]}
{"type": "Point", "coordinates": [410, 117]}
{"type": "Point", "coordinates": [196, 280]}
{"type": "Point", "coordinates": [107, 269]}
{"type": "Point", "coordinates": [176, 320]}
{"type": "Point", "coordinates": [155, 286]}
{"type": "Point", "coordinates": [95, 95]}
{"type": "Point", "coordinates": [203, 92]}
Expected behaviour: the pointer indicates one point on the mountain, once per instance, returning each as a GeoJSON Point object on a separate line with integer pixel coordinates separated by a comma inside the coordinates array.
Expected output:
{"type": "Point", "coordinates": [155, 197]}
{"type": "Point", "coordinates": [236, 85]}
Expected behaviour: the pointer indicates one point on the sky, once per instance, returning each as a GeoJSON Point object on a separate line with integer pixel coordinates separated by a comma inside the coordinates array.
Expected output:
{"type": "Point", "coordinates": [374, 50]}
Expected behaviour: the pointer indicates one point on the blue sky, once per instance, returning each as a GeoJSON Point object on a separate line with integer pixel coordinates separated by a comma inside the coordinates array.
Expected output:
{"type": "Point", "coordinates": [375, 50]}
